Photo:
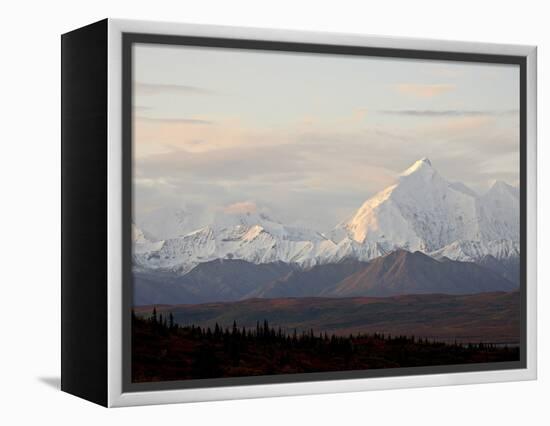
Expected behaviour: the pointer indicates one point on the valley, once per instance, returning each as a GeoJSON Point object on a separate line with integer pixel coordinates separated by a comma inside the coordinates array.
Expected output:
{"type": "Point", "coordinates": [486, 317]}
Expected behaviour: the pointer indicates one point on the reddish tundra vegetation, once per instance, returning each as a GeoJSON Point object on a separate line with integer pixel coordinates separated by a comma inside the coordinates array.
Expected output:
{"type": "Point", "coordinates": [164, 351]}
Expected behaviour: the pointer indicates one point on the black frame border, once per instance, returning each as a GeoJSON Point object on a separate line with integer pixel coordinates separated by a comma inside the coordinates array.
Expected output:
{"type": "Point", "coordinates": [129, 39]}
{"type": "Point", "coordinates": [84, 234]}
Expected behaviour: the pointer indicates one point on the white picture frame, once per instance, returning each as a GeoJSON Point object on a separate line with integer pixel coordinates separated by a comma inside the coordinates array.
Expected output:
{"type": "Point", "coordinates": [116, 393]}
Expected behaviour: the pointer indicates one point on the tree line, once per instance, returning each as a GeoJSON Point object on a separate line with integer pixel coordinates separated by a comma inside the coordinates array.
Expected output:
{"type": "Point", "coordinates": [265, 333]}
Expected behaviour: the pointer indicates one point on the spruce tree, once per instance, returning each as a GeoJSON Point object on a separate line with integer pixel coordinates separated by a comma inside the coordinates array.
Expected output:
{"type": "Point", "coordinates": [266, 328]}
{"type": "Point", "coordinates": [171, 321]}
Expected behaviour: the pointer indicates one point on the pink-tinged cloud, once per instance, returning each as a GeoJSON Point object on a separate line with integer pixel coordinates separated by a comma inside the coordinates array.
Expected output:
{"type": "Point", "coordinates": [242, 207]}
{"type": "Point", "coordinates": [424, 90]}
{"type": "Point", "coordinates": [458, 126]}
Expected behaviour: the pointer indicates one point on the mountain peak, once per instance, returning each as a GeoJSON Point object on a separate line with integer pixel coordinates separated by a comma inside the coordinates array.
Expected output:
{"type": "Point", "coordinates": [499, 184]}
{"type": "Point", "coordinates": [500, 187]}
{"type": "Point", "coordinates": [424, 164]}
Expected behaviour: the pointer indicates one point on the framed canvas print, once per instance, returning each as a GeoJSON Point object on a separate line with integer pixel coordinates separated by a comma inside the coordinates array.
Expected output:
{"type": "Point", "coordinates": [251, 213]}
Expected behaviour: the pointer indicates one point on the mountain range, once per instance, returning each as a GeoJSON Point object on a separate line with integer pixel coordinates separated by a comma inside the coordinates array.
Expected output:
{"type": "Point", "coordinates": [399, 272]}
{"type": "Point", "coordinates": [422, 234]}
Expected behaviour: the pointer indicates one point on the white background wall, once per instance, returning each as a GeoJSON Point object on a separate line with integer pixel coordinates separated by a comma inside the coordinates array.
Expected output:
{"type": "Point", "coordinates": [30, 199]}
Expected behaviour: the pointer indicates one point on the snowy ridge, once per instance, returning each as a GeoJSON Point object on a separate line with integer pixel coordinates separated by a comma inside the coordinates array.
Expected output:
{"type": "Point", "coordinates": [473, 251]}
{"type": "Point", "coordinates": [247, 236]}
{"type": "Point", "coordinates": [499, 212]}
{"type": "Point", "coordinates": [143, 244]}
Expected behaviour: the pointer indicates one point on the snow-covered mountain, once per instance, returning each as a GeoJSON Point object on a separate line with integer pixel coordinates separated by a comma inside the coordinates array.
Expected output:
{"type": "Point", "coordinates": [499, 213]}
{"type": "Point", "coordinates": [473, 251]}
{"type": "Point", "coordinates": [253, 237]}
{"type": "Point", "coordinates": [142, 243]}
{"type": "Point", "coordinates": [421, 212]}
{"type": "Point", "coordinates": [424, 212]}
{"type": "Point", "coordinates": [172, 222]}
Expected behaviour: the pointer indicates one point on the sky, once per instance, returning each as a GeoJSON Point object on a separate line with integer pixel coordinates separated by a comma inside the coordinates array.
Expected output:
{"type": "Point", "coordinates": [307, 138]}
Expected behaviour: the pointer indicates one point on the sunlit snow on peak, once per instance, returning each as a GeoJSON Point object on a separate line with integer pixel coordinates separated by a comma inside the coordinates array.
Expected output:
{"type": "Point", "coordinates": [424, 164]}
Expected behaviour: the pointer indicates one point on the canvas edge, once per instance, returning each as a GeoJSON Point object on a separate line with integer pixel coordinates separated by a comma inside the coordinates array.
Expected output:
{"type": "Point", "coordinates": [116, 396]}
{"type": "Point", "coordinates": [532, 170]}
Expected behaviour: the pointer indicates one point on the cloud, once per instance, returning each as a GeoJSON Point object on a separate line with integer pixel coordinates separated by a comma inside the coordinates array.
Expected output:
{"type": "Point", "coordinates": [237, 164]}
{"type": "Point", "coordinates": [141, 108]}
{"type": "Point", "coordinates": [151, 183]}
{"type": "Point", "coordinates": [242, 207]}
{"type": "Point", "coordinates": [423, 90]}
{"type": "Point", "coordinates": [359, 114]}
{"type": "Point", "coordinates": [147, 89]}
{"type": "Point", "coordinates": [460, 126]}
{"type": "Point", "coordinates": [448, 113]}
{"type": "Point", "coordinates": [298, 173]}
{"type": "Point", "coordinates": [174, 120]}
{"type": "Point", "coordinates": [194, 134]}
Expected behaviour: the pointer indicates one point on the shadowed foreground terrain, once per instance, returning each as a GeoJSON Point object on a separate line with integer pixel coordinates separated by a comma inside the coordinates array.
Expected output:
{"type": "Point", "coordinates": [396, 273]}
{"type": "Point", "coordinates": [164, 351]}
{"type": "Point", "coordinates": [485, 317]}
